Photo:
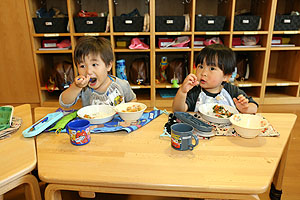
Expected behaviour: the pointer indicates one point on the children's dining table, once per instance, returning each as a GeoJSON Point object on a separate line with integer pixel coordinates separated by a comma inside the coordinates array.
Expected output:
{"type": "Point", "coordinates": [143, 163]}
{"type": "Point", "coordinates": [18, 158]}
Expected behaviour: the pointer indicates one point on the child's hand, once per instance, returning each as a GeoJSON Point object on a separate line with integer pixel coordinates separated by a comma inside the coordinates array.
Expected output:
{"type": "Point", "coordinates": [189, 82]}
{"type": "Point", "coordinates": [82, 81]}
{"type": "Point", "coordinates": [241, 103]}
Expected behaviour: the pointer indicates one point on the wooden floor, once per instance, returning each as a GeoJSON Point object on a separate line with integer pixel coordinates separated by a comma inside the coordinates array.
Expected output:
{"type": "Point", "coordinates": [291, 181]}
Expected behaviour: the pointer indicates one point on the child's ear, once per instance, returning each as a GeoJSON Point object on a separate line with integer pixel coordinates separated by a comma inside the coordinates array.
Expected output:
{"type": "Point", "coordinates": [109, 66]}
{"type": "Point", "coordinates": [227, 77]}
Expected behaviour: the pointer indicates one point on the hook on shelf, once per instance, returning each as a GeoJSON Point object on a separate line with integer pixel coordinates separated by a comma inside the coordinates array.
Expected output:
{"type": "Point", "coordinates": [79, 2]}
{"type": "Point", "coordinates": [223, 1]}
{"type": "Point", "coordinates": [43, 3]}
{"type": "Point", "coordinates": [186, 1]}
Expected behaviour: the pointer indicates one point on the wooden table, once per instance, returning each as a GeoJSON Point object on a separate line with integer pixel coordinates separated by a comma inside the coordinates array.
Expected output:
{"type": "Point", "coordinates": [142, 163]}
{"type": "Point", "coordinates": [18, 158]}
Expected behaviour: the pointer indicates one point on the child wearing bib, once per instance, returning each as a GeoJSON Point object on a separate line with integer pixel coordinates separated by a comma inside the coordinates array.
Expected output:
{"type": "Point", "coordinates": [94, 59]}
{"type": "Point", "coordinates": [215, 64]}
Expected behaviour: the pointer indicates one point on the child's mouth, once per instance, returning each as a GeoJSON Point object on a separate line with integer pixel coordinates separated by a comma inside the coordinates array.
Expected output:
{"type": "Point", "coordinates": [93, 80]}
{"type": "Point", "coordinates": [202, 81]}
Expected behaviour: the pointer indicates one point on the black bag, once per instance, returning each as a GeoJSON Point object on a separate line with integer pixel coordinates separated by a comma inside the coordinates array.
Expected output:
{"type": "Point", "coordinates": [139, 71]}
{"type": "Point", "coordinates": [176, 70]}
{"type": "Point", "coordinates": [243, 67]}
{"type": "Point", "coordinates": [62, 75]}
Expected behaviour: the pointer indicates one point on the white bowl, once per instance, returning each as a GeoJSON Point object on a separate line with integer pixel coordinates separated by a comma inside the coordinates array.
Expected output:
{"type": "Point", "coordinates": [247, 125]}
{"type": "Point", "coordinates": [123, 110]}
{"type": "Point", "coordinates": [97, 114]}
{"type": "Point", "coordinates": [207, 112]}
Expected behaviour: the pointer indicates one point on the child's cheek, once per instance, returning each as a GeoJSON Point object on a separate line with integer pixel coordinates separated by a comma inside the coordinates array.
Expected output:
{"type": "Point", "coordinates": [81, 72]}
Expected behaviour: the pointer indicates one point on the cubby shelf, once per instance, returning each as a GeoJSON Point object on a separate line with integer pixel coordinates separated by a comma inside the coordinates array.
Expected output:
{"type": "Point", "coordinates": [274, 73]}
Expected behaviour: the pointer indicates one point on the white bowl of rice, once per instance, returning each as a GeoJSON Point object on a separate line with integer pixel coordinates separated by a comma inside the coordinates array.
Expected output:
{"type": "Point", "coordinates": [97, 114]}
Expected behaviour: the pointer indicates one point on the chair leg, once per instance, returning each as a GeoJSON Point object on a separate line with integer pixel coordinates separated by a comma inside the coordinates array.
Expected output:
{"type": "Point", "coordinates": [32, 189]}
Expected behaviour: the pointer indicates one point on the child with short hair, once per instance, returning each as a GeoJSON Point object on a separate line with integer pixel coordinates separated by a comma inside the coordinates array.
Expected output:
{"type": "Point", "coordinates": [215, 64]}
{"type": "Point", "coordinates": [94, 59]}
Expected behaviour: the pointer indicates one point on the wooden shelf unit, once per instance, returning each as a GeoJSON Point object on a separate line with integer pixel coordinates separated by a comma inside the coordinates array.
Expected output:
{"type": "Point", "coordinates": [274, 73]}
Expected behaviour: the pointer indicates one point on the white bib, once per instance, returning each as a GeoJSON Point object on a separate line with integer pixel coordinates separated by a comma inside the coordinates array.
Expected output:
{"type": "Point", "coordinates": [222, 98]}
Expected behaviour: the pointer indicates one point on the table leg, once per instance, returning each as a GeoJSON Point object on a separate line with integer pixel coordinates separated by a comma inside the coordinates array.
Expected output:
{"type": "Point", "coordinates": [276, 187]}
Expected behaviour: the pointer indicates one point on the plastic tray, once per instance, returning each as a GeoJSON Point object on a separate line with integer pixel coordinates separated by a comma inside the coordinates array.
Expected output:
{"type": "Point", "coordinates": [42, 124]}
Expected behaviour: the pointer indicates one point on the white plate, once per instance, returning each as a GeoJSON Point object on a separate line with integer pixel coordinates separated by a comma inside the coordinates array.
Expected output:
{"type": "Point", "coordinates": [100, 113]}
{"type": "Point", "coordinates": [206, 111]}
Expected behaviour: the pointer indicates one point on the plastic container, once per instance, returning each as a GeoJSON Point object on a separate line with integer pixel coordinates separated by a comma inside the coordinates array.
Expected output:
{"type": "Point", "coordinates": [79, 131]}
{"type": "Point", "coordinates": [121, 69]}
{"type": "Point", "coordinates": [6, 113]}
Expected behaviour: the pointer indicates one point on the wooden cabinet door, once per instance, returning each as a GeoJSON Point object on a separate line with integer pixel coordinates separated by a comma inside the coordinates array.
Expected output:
{"type": "Point", "coordinates": [18, 83]}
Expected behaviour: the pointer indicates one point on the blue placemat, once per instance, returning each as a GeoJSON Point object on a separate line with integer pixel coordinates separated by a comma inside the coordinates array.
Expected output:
{"type": "Point", "coordinates": [117, 124]}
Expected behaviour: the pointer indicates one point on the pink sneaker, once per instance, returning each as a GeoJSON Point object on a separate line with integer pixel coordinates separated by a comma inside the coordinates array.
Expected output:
{"type": "Point", "coordinates": [64, 44]}
{"type": "Point", "coordinates": [137, 44]}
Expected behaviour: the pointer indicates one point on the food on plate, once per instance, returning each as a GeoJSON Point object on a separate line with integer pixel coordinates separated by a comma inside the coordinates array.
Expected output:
{"type": "Point", "coordinates": [133, 108]}
{"type": "Point", "coordinates": [221, 112]}
{"type": "Point", "coordinates": [98, 115]}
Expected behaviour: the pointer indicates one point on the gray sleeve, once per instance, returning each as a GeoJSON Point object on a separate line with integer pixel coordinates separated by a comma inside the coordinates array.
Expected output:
{"type": "Point", "coordinates": [68, 105]}
{"type": "Point", "coordinates": [128, 92]}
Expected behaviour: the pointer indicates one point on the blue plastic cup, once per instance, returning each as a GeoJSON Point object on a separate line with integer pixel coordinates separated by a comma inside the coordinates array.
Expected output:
{"type": "Point", "coordinates": [182, 136]}
{"type": "Point", "coordinates": [79, 131]}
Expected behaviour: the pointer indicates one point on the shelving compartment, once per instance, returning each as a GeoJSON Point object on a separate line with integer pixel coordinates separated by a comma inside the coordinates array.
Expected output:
{"type": "Point", "coordinates": [247, 15]}
{"type": "Point", "coordinates": [249, 42]}
{"type": "Point", "coordinates": [90, 15]}
{"type": "Point", "coordinates": [53, 16]}
{"type": "Point", "coordinates": [284, 19]}
{"type": "Point", "coordinates": [173, 42]}
{"type": "Point", "coordinates": [171, 66]}
{"type": "Point", "coordinates": [213, 15]}
{"type": "Point", "coordinates": [140, 43]}
{"type": "Point", "coordinates": [138, 70]}
{"type": "Point", "coordinates": [131, 16]}
{"type": "Point", "coordinates": [256, 67]}
{"type": "Point", "coordinates": [46, 65]}
{"type": "Point", "coordinates": [201, 40]}
{"type": "Point", "coordinates": [276, 95]}
{"type": "Point", "coordinates": [283, 68]}
{"type": "Point", "coordinates": [176, 19]}
{"type": "Point", "coordinates": [285, 42]}
{"type": "Point", "coordinates": [52, 44]}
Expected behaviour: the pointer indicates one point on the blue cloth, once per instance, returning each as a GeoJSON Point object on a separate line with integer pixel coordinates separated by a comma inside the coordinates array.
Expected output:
{"type": "Point", "coordinates": [117, 124]}
{"type": "Point", "coordinates": [114, 124]}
